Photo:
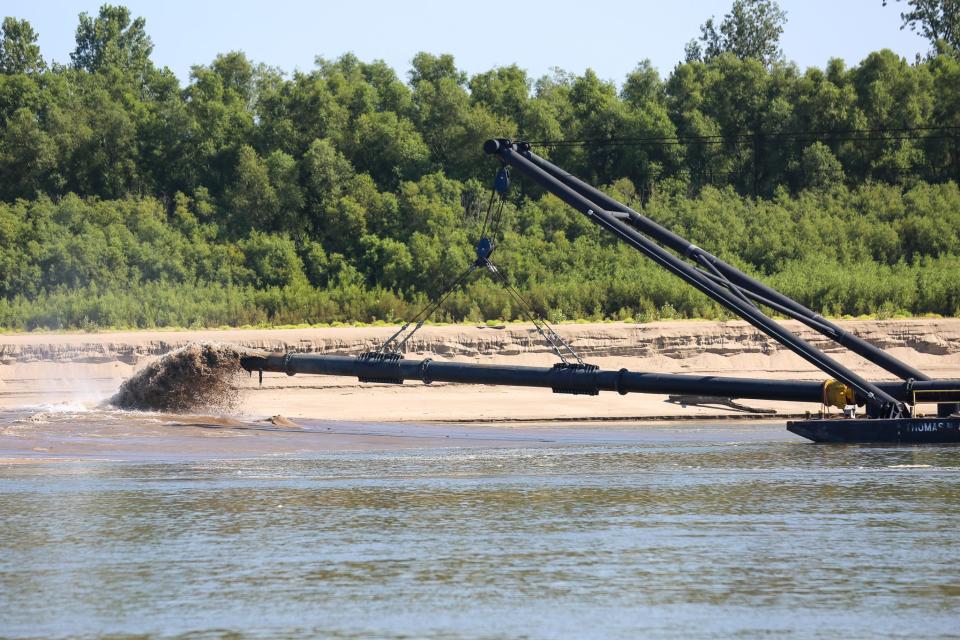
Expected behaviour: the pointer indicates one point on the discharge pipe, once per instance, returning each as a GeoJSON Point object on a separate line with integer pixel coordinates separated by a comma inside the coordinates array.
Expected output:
{"type": "Point", "coordinates": [575, 380]}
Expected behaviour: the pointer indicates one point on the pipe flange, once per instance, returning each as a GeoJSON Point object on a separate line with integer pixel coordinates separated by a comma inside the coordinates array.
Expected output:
{"type": "Point", "coordinates": [619, 384]}
{"type": "Point", "coordinates": [424, 370]}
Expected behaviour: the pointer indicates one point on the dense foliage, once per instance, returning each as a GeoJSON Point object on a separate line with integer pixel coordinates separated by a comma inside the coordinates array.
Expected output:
{"type": "Point", "coordinates": [347, 194]}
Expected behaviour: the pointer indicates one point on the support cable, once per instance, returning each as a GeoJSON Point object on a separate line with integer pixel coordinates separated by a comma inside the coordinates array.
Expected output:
{"type": "Point", "coordinates": [491, 221]}
{"type": "Point", "coordinates": [542, 326]}
{"type": "Point", "coordinates": [486, 217]}
{"type": "Point", "coordinates": [425, 313]}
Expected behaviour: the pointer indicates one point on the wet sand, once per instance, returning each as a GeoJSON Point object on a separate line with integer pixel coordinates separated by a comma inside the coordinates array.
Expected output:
{"type": "Point", "coordinates": [52, 388]}
{"type": "Point", "coordinates": [96, 435]}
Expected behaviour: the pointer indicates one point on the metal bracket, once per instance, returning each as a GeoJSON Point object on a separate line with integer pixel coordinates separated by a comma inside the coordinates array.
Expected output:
{"type": "Point", "coordinates": [575, 378]}
{"type": "Point", "coordinates": [385, 374]}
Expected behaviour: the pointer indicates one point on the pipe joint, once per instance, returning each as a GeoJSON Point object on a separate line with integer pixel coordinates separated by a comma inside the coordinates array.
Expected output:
{"type": "Point", "coordinates": [575, 379]}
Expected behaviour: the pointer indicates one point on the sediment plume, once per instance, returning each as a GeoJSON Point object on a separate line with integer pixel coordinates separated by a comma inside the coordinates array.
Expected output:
{"type": "Point", "coordinates": [282, 421]}
{"type": "Point", "coordinates": [195, 376]}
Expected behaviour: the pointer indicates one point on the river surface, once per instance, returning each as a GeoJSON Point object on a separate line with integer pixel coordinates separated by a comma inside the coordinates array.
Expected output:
{"type": "Point", "coordinates": [676, 531]}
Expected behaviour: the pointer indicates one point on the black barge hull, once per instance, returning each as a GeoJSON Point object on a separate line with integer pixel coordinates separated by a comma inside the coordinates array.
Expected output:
{"type": "Point", "coordinates": [880, 431]}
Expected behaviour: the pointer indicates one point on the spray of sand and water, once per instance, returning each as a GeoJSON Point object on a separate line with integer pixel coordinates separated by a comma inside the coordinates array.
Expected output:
{"type": "Point", "coordinates": [195, 376]}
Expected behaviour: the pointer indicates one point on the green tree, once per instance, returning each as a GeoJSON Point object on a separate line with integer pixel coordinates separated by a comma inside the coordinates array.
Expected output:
{"type": "Point", "coordinates": [389, 148]}
{"type": "Point", "coordinates": [272, 259]}
{"type": "Point", "coordinates": [169, 135]}
{"type": "Point", "coordinates": [347, 83]}
{"type": "Point", "coordinates": [294, 114]}
{"type": "Point", "coordinates": [892, 94]}
{"type": "Point", "coordinates": [251, 198]}
{"type": "Point", "coordinates": [503, 91]}
{"type": "Point", "coordinates": [112, 39]}
{"type": "Point", "coordinates": [752, 29]}
{"type": "Point", "coordinates": [19, 51]}
{"type": "Point", "coordinates": [27, 156]}
{"type": "Point", "coordinates": [942, 154]}
{"type": "Point", "coordinates": [430, 68]}
{"type": "Point", "coordinates": [643, 86]}
{"type": "Point", "coordinates": [936, 20]}
{"type": "Point", "coordinates": [95, 125]}
{"type": "Point", "coordinates": [285, 179]}
{"type": "Point", "coordinates": [219, 119]}
{"type": "Point", "coordinates": [387, 262]}
{"type": "Point", "coordinates": [599, 113]}
{"type": "Point", "coordinates": [452, 127]}
{"type": "Point", "coordinates": [328, 174]}
{"type": "Point", "coordinates": [819, 167]}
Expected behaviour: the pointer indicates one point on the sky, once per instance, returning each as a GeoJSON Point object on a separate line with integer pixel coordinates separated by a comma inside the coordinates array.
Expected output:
{"type": "Point", "coordinates": [608, 36]}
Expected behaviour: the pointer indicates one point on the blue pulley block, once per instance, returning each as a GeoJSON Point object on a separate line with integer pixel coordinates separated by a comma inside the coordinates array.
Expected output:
{"type": "Point", "coordinates": [502, 182]}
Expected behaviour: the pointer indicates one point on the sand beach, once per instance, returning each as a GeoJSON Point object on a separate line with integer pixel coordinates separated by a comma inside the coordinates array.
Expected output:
{"type": "Point", "coordinates": [44, 370]}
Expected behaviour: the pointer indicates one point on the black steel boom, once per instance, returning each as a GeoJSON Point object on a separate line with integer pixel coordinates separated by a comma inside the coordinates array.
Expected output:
{"type": "Point", "coordinates": [754, 289]}
{"type": "Point", "coordinates": [879, 402]}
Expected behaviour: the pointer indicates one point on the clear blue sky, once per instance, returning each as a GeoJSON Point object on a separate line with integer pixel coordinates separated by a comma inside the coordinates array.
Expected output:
{"type": "Point", "coordinates": [608, 36]}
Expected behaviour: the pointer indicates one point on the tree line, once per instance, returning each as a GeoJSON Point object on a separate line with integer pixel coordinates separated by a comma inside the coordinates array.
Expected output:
{"type": "Point", "coordinates": [347, 193]}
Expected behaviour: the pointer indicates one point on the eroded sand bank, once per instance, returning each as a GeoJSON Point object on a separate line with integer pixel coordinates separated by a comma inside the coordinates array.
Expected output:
{"type": "Point", "coordinates": [58, 374]}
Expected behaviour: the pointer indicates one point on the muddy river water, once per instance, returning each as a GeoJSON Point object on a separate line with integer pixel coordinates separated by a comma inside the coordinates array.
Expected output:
{"type": "Point", "coordinates": [670, 531]}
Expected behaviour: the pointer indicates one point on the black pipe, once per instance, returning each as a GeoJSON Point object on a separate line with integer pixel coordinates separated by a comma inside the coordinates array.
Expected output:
{"type": "Point", "coordinates": [788, 306]}
{"type": "Point", "coordinates": [576, 380]}
{"type": "Point", "coordinates": [879, 403]}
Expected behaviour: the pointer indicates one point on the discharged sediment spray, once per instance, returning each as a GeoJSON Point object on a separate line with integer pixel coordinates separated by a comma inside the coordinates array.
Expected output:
{"type": "Point", "coordinates": [196, 376]}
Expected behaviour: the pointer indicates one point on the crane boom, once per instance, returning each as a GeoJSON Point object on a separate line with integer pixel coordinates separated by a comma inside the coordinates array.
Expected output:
{"type": "Point", "coordinates": [879, 403]}
{"type": "Point", "coordinates": [753, 289]}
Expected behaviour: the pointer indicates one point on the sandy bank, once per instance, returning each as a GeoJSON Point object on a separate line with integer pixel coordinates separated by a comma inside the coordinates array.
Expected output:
{"type": "Point", "coordinates": [37, 369]}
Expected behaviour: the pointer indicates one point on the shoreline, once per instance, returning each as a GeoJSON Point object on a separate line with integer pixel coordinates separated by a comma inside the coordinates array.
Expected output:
{"type": "Point", "coordinates": [38, 369]}
{"type": "Point", "coordinates": [52, 389]}
{"type": "Point", "coordinates": [44, 368]}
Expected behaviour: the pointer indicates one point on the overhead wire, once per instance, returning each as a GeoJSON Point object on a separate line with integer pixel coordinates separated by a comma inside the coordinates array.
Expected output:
{"type": "Point", "coordinates": [739, 137]}
{"type": "Point", "coordinates": [738, 140]}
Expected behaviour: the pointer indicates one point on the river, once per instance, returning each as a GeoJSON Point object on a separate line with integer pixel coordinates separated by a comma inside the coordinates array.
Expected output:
{"type": "Point", "coordinates": [670, 531]}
